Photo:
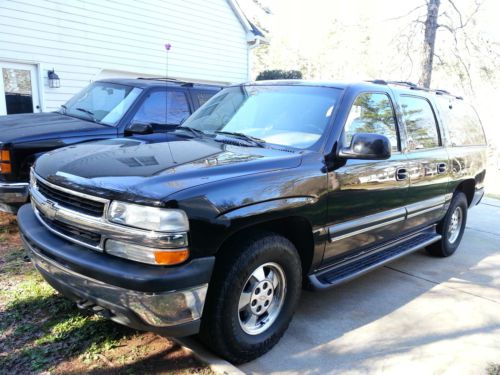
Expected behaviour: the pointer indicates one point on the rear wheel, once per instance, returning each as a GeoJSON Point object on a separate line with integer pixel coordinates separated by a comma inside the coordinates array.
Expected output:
{"type": "Point", "coordinates": [451, 227]}
{"type": "Point", "coordinates": [252, 297]}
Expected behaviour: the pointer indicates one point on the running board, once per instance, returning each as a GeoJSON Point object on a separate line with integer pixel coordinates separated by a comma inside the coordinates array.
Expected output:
{"type": "Point", "coordinates": [362, 264]}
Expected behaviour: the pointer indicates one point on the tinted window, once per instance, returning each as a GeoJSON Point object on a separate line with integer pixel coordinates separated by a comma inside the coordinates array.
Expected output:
{"type": "Point", "coordinates": [102, 102]}
{"type": "Point", "coordinates": [462, 122]}
{"type": "Point", "coordinates": [163, 107]}
{"type": "Point", "coordinates": [295, 116]}
{"type": "Point", "coordinates": [372, 113]}
{"type": "Point", "coordinates": [420, 123]}
{"type": "Point", "coordinates": [203, 96]}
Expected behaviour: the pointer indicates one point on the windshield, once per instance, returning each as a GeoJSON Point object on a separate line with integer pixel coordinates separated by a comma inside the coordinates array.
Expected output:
{"type": "Point", "coordinates": [102, 102]}
{"type": "Point", "coordinates": [294, 116]}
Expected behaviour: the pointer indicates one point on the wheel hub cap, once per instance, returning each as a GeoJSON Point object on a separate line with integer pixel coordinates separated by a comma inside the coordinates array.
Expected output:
{"type": "Point", "coordinates": [262, 298]}
{"type": "Point", "coordinates": [455, 225]}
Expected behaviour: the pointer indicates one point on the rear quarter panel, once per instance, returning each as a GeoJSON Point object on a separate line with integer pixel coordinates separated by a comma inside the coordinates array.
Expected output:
{"type": "Point", "coordinates": [467, 162]}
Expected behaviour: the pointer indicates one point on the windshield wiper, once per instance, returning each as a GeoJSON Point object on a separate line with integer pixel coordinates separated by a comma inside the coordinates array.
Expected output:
{"type": "Point", "coordinates": [90, 113]}
{"type": "Point", "coordinates": [256, 141]}
{"type": "Point", "coordinates": [197, 133]}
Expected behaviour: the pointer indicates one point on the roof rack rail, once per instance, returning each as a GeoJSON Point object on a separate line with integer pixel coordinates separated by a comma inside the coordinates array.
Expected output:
{"type": "Point", "coordinates": [413, 86]}
{"type": "Point", "coordinates": [404, 83]}
{"type": "Point", "coordinates": [166, 79]}
{"type": "Point", "coordinates": [159, 79]}
{"type": "Point", "coordinates": [384, 82]}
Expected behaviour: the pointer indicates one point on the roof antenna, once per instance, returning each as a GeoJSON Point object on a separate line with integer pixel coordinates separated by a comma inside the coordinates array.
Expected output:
{"type": "Point", "coordinates": [168, 46]}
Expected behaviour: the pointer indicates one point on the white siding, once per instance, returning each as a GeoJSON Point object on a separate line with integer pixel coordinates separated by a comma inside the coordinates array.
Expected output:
{"type": "Point", "coordinates": [87, 39]}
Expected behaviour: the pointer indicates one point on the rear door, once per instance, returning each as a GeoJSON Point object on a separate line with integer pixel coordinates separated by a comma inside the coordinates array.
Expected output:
{"type": "Point", "coordinates": [427, 161]}
{"type": "Point", "coordinates": [366, 198]}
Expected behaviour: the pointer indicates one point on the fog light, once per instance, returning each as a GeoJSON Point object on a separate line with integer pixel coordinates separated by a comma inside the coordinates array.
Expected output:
{"type": "Point", "coordinates": [146, 254]}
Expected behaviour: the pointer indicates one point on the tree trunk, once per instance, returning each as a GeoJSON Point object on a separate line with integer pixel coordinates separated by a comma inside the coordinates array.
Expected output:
{"type": "Point", "coordinates": [431, 26]}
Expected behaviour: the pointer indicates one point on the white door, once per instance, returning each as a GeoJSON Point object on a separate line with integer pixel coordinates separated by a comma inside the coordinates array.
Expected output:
{"type": "Point", "coordinates": [18, 88]}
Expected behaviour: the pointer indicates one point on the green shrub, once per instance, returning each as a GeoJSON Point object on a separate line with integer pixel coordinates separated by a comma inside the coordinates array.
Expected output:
{"type": "Point", "coordinates": [279, 74]}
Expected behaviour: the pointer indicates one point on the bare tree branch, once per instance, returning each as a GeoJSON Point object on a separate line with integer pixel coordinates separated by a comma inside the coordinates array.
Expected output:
{"type": "Point", "coordinates": [463, 24]}
{"type": "Point", "coordinates": [441, 61]}
{"type": "Point", "coordinates": [406, 14]}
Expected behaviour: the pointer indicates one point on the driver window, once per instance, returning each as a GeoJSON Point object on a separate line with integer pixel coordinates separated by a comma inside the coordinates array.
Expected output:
{"type": "Point", "coordinates": [163, 107]}
{"type": "Point", "coordinates": [372, 113]}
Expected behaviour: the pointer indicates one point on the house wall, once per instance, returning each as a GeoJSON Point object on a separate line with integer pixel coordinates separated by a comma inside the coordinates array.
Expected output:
{"type": "Point", "coordinates": [90, 39]}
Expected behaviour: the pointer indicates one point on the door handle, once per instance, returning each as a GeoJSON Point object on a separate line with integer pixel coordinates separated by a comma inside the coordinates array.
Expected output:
{"type": "Point", "coordinates": [441, 168]}
{"type": "Point", "coordinates": [401, 174]}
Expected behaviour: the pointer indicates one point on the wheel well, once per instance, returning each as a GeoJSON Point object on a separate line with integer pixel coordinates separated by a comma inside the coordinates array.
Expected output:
{"type": "Point", "coordinates": [468, 187]}
{"type": "Point", "coordinates": [296, 229]}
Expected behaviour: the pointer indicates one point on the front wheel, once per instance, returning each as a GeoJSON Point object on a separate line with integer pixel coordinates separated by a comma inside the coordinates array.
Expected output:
{"type": "Point", "coordinates": [252, 297]}
{"type": "Point", "coordinates": [451, 227]}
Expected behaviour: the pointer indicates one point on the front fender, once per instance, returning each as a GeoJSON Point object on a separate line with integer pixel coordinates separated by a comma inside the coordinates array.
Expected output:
{"type": "Point", "coordinates": [268, 209]}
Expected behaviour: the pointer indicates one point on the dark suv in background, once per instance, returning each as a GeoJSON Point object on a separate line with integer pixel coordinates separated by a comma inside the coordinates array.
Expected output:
{"type": "Point", "coordinates": [104, 109]}
{"type": "Point", "coordinates": [266, 186]}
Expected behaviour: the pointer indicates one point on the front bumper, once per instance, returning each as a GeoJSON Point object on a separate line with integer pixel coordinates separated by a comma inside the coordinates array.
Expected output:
{"type": "Point", "coordinates": [13, 195]}
{"type": "Point", "coordinates": [167, 300]}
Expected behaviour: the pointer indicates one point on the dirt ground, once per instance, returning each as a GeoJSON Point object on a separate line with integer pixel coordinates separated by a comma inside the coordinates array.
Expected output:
{"type": "Point", "coordinates": [42, 332]}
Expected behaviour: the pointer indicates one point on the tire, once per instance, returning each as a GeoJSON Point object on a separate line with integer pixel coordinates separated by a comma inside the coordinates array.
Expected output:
{"type": "Point", "coordinates": [451, 238]}
{"type": "Point", "coordinates": [229, 330]}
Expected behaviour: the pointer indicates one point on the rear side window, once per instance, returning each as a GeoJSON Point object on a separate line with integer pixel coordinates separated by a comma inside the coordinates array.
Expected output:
{"type": "Point", "coordinates": [420, 121]}
{"type": "Point", "coordinates": [163, 107]}
{"type": "Point", "coordinates": [462, 122]}
{"type": "Point", "coordinates": [372, 113]}
{"type": "Point", "coordinates": [203, 96]}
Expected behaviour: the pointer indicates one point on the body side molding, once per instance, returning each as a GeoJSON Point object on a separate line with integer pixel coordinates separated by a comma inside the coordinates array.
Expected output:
{"type": "Point", "coordinates": [351, 228]}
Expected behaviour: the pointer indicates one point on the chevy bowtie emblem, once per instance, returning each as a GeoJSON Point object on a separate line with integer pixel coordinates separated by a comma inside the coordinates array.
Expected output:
{"type": "Point", "coordinates": [50, 209]}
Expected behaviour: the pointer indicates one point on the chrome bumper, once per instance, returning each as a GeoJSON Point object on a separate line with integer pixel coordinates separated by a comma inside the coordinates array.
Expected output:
{"type": "Point", "coordinates": [13, 195]}
{"type": "Point", "coordinates": [155, 310]}
{"type": "Point", "coordinates": [14, 192]}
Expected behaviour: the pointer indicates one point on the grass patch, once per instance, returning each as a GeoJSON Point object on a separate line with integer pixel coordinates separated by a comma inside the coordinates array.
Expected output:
{"type": "Point", "coordinates": [41, 330]}
{"type": "Point", "coordinates": [37, 325]}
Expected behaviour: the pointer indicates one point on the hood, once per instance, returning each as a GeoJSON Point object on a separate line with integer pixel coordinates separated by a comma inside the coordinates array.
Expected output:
{"type": "Point", "coordinates": [139, 171]}
{"type": "Point", "coordinates": [38, 126]}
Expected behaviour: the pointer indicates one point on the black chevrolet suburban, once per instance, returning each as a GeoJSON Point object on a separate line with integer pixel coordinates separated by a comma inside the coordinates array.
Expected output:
{"type": "Point", "coordinates": [104, 109]}
{"type": "Point", "coordinates": [267, 187]}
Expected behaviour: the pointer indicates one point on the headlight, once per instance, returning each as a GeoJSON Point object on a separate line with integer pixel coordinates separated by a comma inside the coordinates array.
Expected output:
{"type": "Point", "coordinates": [145, 254]}
{"type": "Point", "coordinates": [150, 218]}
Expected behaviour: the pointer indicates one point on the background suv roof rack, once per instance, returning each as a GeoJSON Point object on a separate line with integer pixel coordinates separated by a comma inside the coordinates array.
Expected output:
{"type": "Point", "coordinates": [413, 86]}
{"type": "Point", "coordinates": [166, 79]}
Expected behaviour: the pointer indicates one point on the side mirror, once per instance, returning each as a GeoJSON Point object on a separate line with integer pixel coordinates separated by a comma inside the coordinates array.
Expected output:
{"type": "Point", "coordinates": [367, 146]}
{"type": "Point", "coordinates": [140, 128]}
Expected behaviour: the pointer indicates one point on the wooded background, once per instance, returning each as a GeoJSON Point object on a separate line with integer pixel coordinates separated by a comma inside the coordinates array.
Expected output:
{"type": "Point", "coordinates": [447, 44]}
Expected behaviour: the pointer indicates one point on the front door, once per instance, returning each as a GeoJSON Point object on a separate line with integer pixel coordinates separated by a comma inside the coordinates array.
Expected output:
{"type": "Point", "coordinates": [18, 89]}
{"type": "Point", "coordinates": [366, 198]}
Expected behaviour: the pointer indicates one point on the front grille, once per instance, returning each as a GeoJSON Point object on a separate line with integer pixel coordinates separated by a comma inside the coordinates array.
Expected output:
{"type": "Point", "coordinates": [73, 202]}
{"type": "Point", "coordinates": [79, 234]}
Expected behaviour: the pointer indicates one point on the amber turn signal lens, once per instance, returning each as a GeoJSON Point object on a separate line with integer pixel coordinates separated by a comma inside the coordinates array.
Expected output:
{"type": "Point", "coordinates": [5, 156]}
{"type": "Point", "coordinates": [171, 256]}
{"type": "Point", "coordinates": [5, 168]}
